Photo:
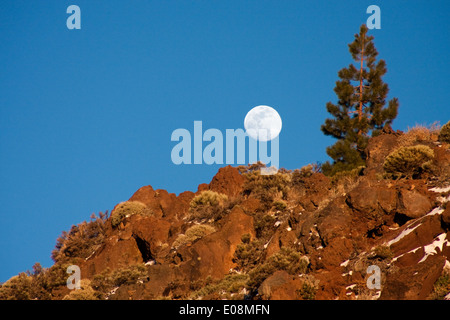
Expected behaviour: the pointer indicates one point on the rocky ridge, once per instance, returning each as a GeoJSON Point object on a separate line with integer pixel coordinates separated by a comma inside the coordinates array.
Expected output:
{"type": "Point", "coordinates": [301, 236]}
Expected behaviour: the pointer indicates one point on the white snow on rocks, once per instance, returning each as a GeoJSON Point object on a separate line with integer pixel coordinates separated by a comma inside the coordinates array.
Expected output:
{"type": "Point", "coordinates": [438, 242]}
{"type": "Point", "coordinates": [440, 190]}
{"type": "Point", "coordinates": [403, 234]}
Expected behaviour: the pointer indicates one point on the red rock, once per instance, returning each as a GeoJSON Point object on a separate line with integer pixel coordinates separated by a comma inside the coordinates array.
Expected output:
{"type": "Point", "coordinates": [227, 181]}
{"type": "Point", "coordinates": [213, 254]}
{"type": "Point", "coordinates": [414, 282]}
{"type": "Point", "coordinates": [414, 204]}
{"type": "Point", "coordinates": [446, 216]}
{"type": "Point", "coordinates": [280, 286]}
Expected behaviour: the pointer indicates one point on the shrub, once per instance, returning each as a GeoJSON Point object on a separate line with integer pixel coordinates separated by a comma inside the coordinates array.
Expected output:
{"type": "Point", "coordinates": [207, 205]}
{"type": "Point", "coordinates": [226, 288]}
{"type": "Point", "coordinates": [408, 162]}
{"type": "Point", "coordinates": [441, 287]}
{"type": "Point", "coordinates": [286, 259]}
{"type": "Point", "coordinates": [309, 288]}
{"type": "Point", "coordinates": [107, 280]}
{"type": "Point", "coordinates": [418, 133]}
{"type": "Point", "coordinates": [299, 176]}
{"type": "Point", "coordinates": [84, 293]}
{"type": "Point", "coordinates": [444, 134]}
{"type": "Point", "coordinates": [267, 188]}
{"type": "Point", "coordinates": [251, 167]}
{"type": "Point", "coordinates": [81, 240]}
{"type": "Point", "coordinates": [263, 224]}
{"type": "Point", "coordinates": [279, 205]}
{"type": "Point", "coordinates": [17, 288]}
{"type": "Point", "coordinates": [193, 233]}
{"type": "Point", "coordinates": [248, 254]}
{"type": "Point", "coordinates": [126, 209]}
{"type": "Point", "coordinates": [383, 252]}
{"type": "Point", "coordinates": [37, 285]}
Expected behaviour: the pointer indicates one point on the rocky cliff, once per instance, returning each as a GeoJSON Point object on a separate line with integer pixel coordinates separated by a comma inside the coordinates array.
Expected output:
{"type": "Point", "coordinates": [294, 235]}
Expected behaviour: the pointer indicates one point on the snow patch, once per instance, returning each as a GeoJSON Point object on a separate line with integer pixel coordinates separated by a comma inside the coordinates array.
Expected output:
{"type": "Point", "coordinates": [437, 243]}
{"type": "Point", "coordinates": [377, 295]}
{"type": "Point", "coordinates": [440, 190]}
{"type": "Point", "coordinates": [447, 265]}
{"type": "Point", "coordinates": [410, 251]}
{"type": "Point", "coordinates": [437, 210]}
{"type": "Point", "coordinates": [150, 262]}
{"type": "Point", "coordinates": [345, 263]}
{"type": "Point", "coordinates": [403, 234]}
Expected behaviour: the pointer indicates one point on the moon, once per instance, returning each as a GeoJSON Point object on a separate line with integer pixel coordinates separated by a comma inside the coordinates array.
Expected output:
{"type": "Point", "coordinates": [263, 123]}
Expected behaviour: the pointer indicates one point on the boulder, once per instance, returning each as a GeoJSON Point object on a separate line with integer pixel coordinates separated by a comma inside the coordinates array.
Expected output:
{"type": "Point", "coordinates": [414, 282]}
{"type": "Point", "coordinates": [280, 286]}
{"type": "Point", "coordinates": [115, 253]}
{"type": "Point", "coordinates": [414, 204]}
{"type": "Point", "coordinates": [228, 181]}
{"type": "Point", "coordinates": [446, 216]}
{"type": "Point", "coordinates": [213, 254]}
{"type": "Point", "coordinates": [373, 201]}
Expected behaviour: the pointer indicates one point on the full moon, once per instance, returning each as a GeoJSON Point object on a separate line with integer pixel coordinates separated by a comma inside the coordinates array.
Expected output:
{"type": "Point", "coordinates": [263, 123]}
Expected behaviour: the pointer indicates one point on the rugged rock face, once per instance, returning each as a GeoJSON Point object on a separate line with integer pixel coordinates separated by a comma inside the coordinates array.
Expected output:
{"type": "Point", "coordinates": [312, 238]}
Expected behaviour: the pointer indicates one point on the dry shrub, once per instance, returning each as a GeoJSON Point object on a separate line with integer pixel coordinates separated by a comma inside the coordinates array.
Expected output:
{"type": "Point", "coordinates": [127, 209]}
{"type": "Point", "coordinates": [104, 282]}
{"type": "Point", "coordinates": [441, 287]}
{"type": "Point", "coordinates": [267, 188]}
{"type": "Point", "coordinates": [207, 205]}
{"type": "Point", "coordinates": [82, 239]}
{"type": "Point", "coordinates": [286, 259]}
{"type": "Point", "coordinates": [17, 288]}
{"type": "Point", "coordinates": [230, 287]}
{"type": "Point", "coordinates": [193, 233]}
{"type": "Point", "coordinates": [38, 285]}
{"type": "Point", "coordinates": [419, 133]}
{"type": "Point", "coordinates": [84, 293]}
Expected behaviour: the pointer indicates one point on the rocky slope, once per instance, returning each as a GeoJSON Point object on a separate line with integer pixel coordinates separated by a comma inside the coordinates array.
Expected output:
{"type": "Point", "coordinates": [294, 235]}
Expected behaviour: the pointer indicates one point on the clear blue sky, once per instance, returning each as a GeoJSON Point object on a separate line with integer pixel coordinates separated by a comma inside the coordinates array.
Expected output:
{"type": "Point", "coordinates": [86, 115]}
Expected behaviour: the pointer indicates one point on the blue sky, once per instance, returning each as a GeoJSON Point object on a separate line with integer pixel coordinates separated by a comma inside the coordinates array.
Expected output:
{"type": "Point", "coordinates": [86, 115]}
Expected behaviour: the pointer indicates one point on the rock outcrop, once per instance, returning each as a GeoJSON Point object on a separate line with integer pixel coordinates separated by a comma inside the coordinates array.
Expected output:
{"type": "Point", "coordinates": [315, 239]}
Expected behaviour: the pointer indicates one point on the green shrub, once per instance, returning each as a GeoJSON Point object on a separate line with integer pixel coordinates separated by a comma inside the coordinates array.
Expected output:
{"type": "Point", "coordinates": [248, 254]}
{"type": "Point", "coordinates": [279, 205]}
{"type": "Point", "coordinates": [444, 134]}
{"type": "Point", "coordinates": [104, 282]}
{"type": "Point", "coordinates": [207, 205]}
{"type": "Point", "coordinates": [441, 287]}
{"type": "Point", "coordinates": [263, 224]}
{"type": "Point", "coordinates": [309, 288]}
{"type": "Point", "coordinates": [126, 209]}
{"type": "Point", "coordinates": [286, 259]}
{"type": "Point", "coordinates": [226, 288]}
{"type": "Point", "coordinates": [193, 233]}
{"type": "Point", "coordinates": [408, 162]}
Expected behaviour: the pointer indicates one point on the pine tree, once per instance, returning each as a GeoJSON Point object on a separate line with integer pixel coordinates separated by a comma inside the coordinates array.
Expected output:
{"type": "Point", "coordinates": [360, 110]}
